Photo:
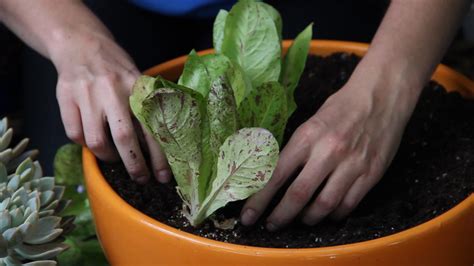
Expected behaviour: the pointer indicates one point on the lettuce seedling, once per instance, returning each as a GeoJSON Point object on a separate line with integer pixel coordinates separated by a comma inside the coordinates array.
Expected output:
{"type": "Point", "coordinates": [221, 123]}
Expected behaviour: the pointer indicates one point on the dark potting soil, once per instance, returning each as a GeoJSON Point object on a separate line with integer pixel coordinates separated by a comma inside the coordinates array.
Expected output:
{"type": "Point", "coordinates": [432, 171]}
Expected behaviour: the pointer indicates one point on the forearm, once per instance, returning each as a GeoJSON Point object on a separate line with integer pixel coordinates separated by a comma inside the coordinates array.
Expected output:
{"type": "Point", "coordinates": [48, 26]}
{"type": "Point", "coordinates": [409, 44]}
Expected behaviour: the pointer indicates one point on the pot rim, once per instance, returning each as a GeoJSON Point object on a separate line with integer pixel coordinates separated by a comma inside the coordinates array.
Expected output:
{"type": "Point", "coordinates": [115, 201]}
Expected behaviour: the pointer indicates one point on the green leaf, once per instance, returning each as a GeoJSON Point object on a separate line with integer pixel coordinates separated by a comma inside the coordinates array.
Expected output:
{"type": "Point", "coordinates": [218, 65]}
{"type": "Point", "coordinates": [275, 15]}
{"type": "Point", "coordinates": [294, 63]}
{"type": "Point", "coordinates": [82, 252]}
{"type": "Point", "coordinates": [68, 165]}
{"type": "Point", "coordinates": [251, 40]}
{"type": "Point", "coordinates": [245, 164]}
{"type": "Point", "coordinates": [173, 116]}
{"type": "Point", "coordinates": [218, 31]}
{"type": "Point", "coordinates": [222, 112]}
{"type": "Point", "coordinates": [195, 75]}
{"type": "Point", "coordinates": [143, 87]}
{"type": "Point", "coordinates": [266, 107]}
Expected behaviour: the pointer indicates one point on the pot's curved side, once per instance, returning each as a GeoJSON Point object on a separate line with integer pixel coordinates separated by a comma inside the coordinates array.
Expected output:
{"type": "Point", "coordinates": [131, 238]}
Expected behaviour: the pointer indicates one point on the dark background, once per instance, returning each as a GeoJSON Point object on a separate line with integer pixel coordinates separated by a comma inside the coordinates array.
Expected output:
{"type": "Point", "coordinates": [28, 81]}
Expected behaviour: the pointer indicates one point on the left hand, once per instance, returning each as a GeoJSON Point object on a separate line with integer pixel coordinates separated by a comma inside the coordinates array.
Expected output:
{"type": "Point", "coordinates": [348, 143]}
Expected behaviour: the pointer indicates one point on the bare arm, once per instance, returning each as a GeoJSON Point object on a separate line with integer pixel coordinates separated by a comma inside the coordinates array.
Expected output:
{"type": "Point", "coordinates": [95, 77]}
{"type": "Point", "coordinates": [353, 138]}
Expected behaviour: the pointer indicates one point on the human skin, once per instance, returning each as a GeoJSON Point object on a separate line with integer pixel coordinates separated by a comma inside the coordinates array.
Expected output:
{"type": "Point", "coordinates": [95, 79]}
{"type": "Point", "coordinates": [353, 137]}
{"type": "Point", "coordinates": [348, 143]}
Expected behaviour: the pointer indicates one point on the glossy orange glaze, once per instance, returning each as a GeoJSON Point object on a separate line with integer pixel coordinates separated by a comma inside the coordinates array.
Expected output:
{"type": "Point", "coordinates": [129, 237]}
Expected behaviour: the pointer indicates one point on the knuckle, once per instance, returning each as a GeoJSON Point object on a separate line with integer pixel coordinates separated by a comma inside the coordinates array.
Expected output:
{"type": "Point", "coordinates": [110, 79]}
{"type": "Point", "coordinates": [337, 143]}
{"type": "Point", "coordinates": [306, 133]}
{"type": "Point", "coordinates": [299, 193]}
{"type": "Point", "coordinates": [123, 135]}
{"type": "Point", "coordinates": [75, 135]}
{"type": "Point", "coordinates": [326, 203]}
{"type": "Point", "coordinates": [96, 143]}
{"type": "Point", "coordinates": [135, 168]}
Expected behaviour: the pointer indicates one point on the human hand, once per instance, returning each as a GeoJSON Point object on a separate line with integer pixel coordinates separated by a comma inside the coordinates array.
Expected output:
{"type": "Point", "coordinates": [348, 144]}
{"type": "Point", "coordinates": [95, 81]}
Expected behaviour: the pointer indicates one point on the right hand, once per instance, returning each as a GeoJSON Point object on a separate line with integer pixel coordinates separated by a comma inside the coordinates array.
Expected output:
{"type": "Point", "coordinates": [95, 79]}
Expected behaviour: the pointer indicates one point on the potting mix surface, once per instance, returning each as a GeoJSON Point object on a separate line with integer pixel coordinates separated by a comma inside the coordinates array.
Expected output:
{"type": "Point", "coordinates": [432, 171]}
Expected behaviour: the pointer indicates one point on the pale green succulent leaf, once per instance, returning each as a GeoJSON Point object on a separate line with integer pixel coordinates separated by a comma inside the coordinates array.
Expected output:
{"type": "Point", "coordinates": [17, 217]}
{"type": "Point", "coordinates": [3, 173]}
{"type": "Point", "coordinates": [5, 156]}
{"type": "Point", "coordinates": [40, 252]}
{"type": "Point", "coordinates": [46, 197]}
{"type": "Point", "coordinates": [245, 164]}
{"type": "Point", "coordinates": [20, 147]}
{"type": "Point", "coordinates": [5, 203]}
{"type": "Point", "coordinates": [5, 139]}
{"type": "Point", "coordinates": [3, 125]}
{"type": "Point", "coordinates": [14, 162]}
{"type": "Point", "coordinates": [13, 236]}
{"type": "Point", "coordinates": [266, 107]}
{"type": "Point", "coordinates": [34, 203]}
{"type": "Point", "coordinates": [46, 213]}
{"type": "Point", "coordinates": [46, 183]}
{"type": "Point", "coordinates": [294, 63]}
{"type": "Point", "coordinates": [33, 217]}
{"type": "Point", "coordinates": [14, 183]}
{"type": "Point", "coordinates": [10, 261]}
{"type": "Point", "coordinates": [3, 247]}
{"type": "Point", "coordinates": [41, 263]}
{"type": "Point", "coordinates": [25, 165]}
{"type": "Point", "coordinates": [59, 192]}
{"type": "Point", "coordinates": [20, 196]}
{"type": "Point", "coordinates": [38, 235]}
{"type": "Point", "coordinates": [5, 221]}
{"type": "Point", "coordinates": [251, 40]}
{"type": "Point", "coordinates": [218, 30]}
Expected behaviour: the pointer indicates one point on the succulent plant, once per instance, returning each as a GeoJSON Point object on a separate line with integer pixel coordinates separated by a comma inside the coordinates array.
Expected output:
{"type": "Point", "coordinates": [30, 228]}
{"type": "Point", "coordinates": [12, 157]}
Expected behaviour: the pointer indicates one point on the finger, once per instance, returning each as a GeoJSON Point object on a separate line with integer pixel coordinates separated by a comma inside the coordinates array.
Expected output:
{"type": "Point", "coordinates": [126, 141]}
{"type": "Point", "coordinates": [354, 195]}
{"type": "Point", "coordinates": [334, 190]}
{"type": "Point", "coordinates": [95, 134]}
{"type": "Point", "coordinates": [159, 163]}
{"type": "Point", "coordinates": [301, 191]}
{"type": "Point", "coordinates": [71, 118]}
{"type": "Point", "coordinates": [293, 156]}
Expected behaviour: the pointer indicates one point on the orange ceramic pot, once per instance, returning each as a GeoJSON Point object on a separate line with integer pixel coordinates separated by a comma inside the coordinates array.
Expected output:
{"type": "Point", "coordinates": [129, 237]}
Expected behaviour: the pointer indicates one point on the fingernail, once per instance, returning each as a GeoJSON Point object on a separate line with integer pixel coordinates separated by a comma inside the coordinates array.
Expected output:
{"type": "Point", "coordinates": [271, 227]}
{"type": "Point", "coordinates": [164, 176]}
{"type": "Point", "coordinates": [248, 218]}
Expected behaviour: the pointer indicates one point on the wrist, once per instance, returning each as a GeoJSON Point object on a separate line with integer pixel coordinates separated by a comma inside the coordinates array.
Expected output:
{"type": "Point", "coordinates": [69, 42]}
{"type": "Point", "coordinates": [384, 86]}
